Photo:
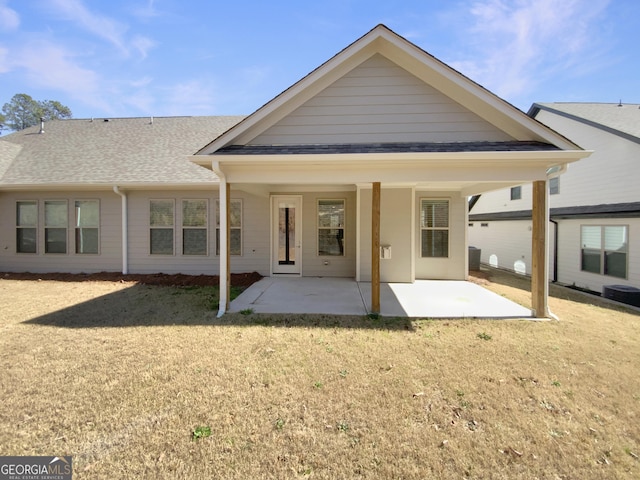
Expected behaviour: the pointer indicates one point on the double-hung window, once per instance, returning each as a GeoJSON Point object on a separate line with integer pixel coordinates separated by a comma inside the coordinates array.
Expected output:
{"type": "Point", "coordinates": [55, 226]}
{"type": "Point", "coordinates": [235, 226]}
{"type": "Point", "coordinates": [26, 226]}
{"type": "Point", "coordinates": [434, 228]}
{"type": "Point", "coordinates": [194, 227]}
{"type": "Point", "coordinates": [331, 227]}
{"type": "Point", "coordinates": [87, 226]}
{"type": "Point", "coordinates": [604, 249]}
{"type": "Point", "coordinates": [161, 226]}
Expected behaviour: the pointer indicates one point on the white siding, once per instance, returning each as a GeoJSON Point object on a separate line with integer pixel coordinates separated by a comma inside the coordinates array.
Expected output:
{"type": "Point", "coordinates": [379, 102]}
{"type": "Point", "coordinates": [609, 175]}
{"type": "Point", "coordinates": [313, 264]}
{"type": "Point", "coordinates": [110, 256]}
{"type": "Point", "coordinates": [569, 262]}
{"type": "Point", "coordinates": [255, 235]}
{"type": "Point", "coordinates": [452, 268]}
{"type": "Point", "coordinates": [395, 230]}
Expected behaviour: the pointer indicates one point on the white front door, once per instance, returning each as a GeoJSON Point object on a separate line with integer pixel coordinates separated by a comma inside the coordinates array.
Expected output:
{"type": "Point", "coordinates": [286, 239]}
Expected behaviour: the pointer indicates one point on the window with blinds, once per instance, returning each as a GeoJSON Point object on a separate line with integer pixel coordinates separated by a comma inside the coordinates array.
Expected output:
{"type": "Point", "coordinates": [161, 226]}
{"type": "Point", "coordinates": [26, 226]}
{"type": "Point", "coordinates": [194, 227]}
{"type": "Point", "coordinates": [55, 226]}
{"type": "Point", "coordinates": [604, 249]}
{"type": "Point", "coordinates": [87, 227]}
{"type": "Point", "coordinates": [235, 225]}
{"type": "Point", "coordinates": [434, 228]}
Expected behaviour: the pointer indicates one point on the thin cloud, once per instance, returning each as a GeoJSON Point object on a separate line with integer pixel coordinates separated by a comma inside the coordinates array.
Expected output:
{"type": "Point", "coordinates": [519, 43]}
{"type": "Point", "coordinates": [99, 25]}
{"type": "Point", "coordinates": [147, 11]}
{"type": "Point", "coordinates": [142, 45]}
{"type": "Point", "coordinates": [9, 18]}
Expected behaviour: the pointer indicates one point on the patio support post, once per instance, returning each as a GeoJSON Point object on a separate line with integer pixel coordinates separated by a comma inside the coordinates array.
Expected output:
{"type": "Point", "coordinates": [539, 263]}
{"type": "Point", "coordinates": [225, 257]}
{"type": "Point", "coordinates": [375, 248]}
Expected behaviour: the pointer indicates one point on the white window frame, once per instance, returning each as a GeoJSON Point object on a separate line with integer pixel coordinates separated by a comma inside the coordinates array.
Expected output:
{"type": "Point", "coordinates": [56, 227]}
{"type": "Point", "coordinates": [24, 227]}
{"type": "Point", "coordinates": [435, 228]}
{"type": "Point", "coordinates": [199, 227]}
{"type": "Point", "coordinates": [604, 251]}
{"type": "Point", "coordinates": [163, 227]}
{"type": "Point", "coordinates": [78, 227]}
{"type": "Point", "coordinates": [343, 227]}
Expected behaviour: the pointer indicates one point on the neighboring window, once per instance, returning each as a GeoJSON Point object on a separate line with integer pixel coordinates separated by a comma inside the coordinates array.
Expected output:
{"type": "Point", "coordinates": [55, 226]}
{"type": "Point", "coordinates": [87, 226]}
{"type": "Point", "coordinates": [161, 223]}
{"type": "Point", "coordinates": [331, 227]}
{"type": "Point", "coordinates": [516, 193]}
{"type": "Point", "coordinates": [434, 226]}
{"type": "Point", "coordinates": [235, 224]}
{"type": "Point", "coordinates": [554, 186]}
{"type": "Point", "coordinates": [604, 249]}
{"type": "Point", "coordinates": [194, 227]}
{"type": "Point", "coordinates": [26, 227]}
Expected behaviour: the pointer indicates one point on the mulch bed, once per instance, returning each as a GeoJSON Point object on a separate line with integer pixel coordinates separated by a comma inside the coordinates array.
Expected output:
{"type": "Point", "coordinates": [177, 280]}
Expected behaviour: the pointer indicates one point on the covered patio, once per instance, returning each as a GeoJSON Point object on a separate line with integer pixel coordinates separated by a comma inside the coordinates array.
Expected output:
{"type": "Point", "coordinates": [345, 296]}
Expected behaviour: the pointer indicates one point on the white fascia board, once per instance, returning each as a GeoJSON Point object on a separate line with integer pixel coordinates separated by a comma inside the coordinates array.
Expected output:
{"type": "Point", "coordinates": [449, 159]}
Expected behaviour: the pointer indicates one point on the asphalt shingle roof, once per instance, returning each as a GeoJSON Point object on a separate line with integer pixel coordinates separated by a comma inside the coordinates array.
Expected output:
{"type": "Point", "coordinates": [118, 151]}
{"type": "Point", "coordinates": [384, 148]}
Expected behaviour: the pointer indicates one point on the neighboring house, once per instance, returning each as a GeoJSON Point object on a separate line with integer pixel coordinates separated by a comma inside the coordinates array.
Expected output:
{"type": "Point", "coordinates": [594, 206]}
{"type": "Point", "coordinates": [375, 151]}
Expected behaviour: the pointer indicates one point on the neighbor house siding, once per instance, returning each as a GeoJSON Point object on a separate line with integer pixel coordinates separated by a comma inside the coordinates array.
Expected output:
{"type": "Point", "coordinates": [109, 257]}
{"type": "Point", "coordinates": [569, 264]}
{"type": "Point", "coordinates": [604, 177]}
{"type": "Point", "coordinates": [379, 102]}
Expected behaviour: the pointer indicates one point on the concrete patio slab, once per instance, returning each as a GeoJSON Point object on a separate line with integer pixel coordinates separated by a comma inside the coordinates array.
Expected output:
{"type": "Point", "coordinates": [344, 296]}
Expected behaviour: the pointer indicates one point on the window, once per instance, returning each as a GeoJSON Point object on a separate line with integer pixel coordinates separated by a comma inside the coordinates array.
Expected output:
{"type": "Point", "coordinates": [554, 186]}
{"type": "Point", "coordinates": [55, 226]}
{"type": "Point", "coordinates": [331, 227]}
{"type": "Point", "coordinates": [161, 223]}
{"type": "Point", "coordinates": [194, 227]}
{"type": "Point", "coordinates": [434, 226]}
{"type": "Point", "coordinates": [87, 226]}
{"type": "Point", "coordinates": [235, 223]}
{"type": "Point", "coordinates": [604, 250]}
{"type": "Point", "coordinates": [516, 193]}
{"type": "Point", "coordinates": [26, 226]}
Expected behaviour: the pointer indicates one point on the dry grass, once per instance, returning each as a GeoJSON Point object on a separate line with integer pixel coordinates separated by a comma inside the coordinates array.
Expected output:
{"type": "Point", "coordinates": [120, 375]}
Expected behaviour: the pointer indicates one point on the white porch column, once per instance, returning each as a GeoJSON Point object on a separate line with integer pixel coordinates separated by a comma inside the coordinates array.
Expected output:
{"type": "Point", "coordinates": [225, 272]}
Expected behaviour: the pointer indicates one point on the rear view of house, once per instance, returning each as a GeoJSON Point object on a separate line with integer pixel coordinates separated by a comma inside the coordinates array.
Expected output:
{"type": "Point", "coordinates": [594, 206]}
{"type": "Point", "coordinates": [361, 169]}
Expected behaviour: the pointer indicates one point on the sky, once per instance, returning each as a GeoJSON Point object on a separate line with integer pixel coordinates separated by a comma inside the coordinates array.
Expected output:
{"type": "Point", "coordinates": [130, 58]}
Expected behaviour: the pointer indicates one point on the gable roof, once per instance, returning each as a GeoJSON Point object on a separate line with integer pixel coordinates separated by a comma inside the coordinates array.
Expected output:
{"type": "Point", "coordinates": [616, 118]}
{"type": "Point", "coordinates": [381, 40]}
{"type": "Point", "coordinates": [118, 151]}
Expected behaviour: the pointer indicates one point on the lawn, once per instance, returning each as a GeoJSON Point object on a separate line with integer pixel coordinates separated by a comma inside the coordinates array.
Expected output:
{"type": "Point", "coordinates": [139, 381]}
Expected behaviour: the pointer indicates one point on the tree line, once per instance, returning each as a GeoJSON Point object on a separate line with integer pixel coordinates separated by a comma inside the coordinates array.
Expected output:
{"type": "Point", "coordinates": [22, 112]}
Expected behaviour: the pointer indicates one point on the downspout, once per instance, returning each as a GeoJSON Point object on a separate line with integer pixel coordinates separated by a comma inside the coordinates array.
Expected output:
{"type": "Point", "coordinates": [224, 241]}
{"type": "Point", "coordinates": [555, 250]}
{"type": "Point", "coordinates": [552, 172]}
{"type": "Point", "coordinates": [125, 230]}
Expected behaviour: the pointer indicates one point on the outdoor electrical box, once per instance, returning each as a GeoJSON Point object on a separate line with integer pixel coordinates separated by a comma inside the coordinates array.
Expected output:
{"type": "Point", "coordinates": [385, 252]}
